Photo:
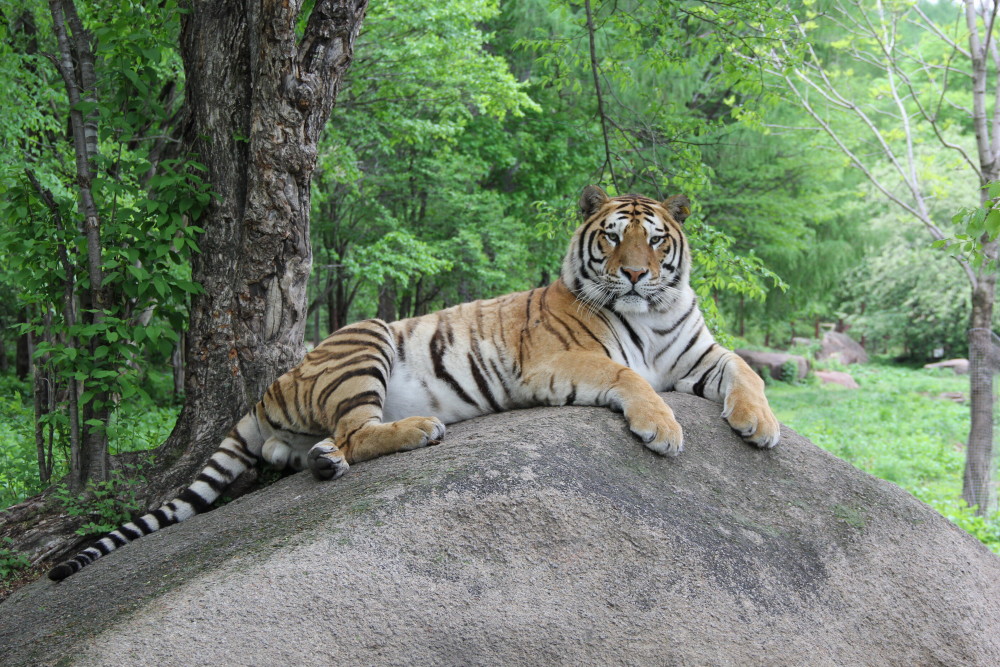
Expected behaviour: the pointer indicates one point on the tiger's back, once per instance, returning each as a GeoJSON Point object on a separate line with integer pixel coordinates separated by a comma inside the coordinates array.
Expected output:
{"type": "Point", "coordinates": [620, 324]}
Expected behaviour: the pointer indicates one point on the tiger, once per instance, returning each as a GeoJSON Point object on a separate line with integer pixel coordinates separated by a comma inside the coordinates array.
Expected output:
{"type": "Point", "coordinates": [620, 324]}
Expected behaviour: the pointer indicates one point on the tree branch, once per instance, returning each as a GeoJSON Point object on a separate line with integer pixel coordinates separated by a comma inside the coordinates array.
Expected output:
{"type": "Point", "coordinates": [930, 25]}
{"type": "Point", "coordinates": [978, 57]}
{"type": "Point", "coordinates": [600, 100]}
{"type": "Point", "coordinates": [323, 56]}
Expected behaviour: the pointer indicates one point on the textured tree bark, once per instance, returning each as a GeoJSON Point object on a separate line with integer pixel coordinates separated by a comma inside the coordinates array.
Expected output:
{"type": "Point", "coordinates": [258, 98]}
{"type": "Point", "coordinates": [979, 449]}
{"type": "Point", "coordinates": [177, 366]}
{"type": "Point", "coordinates": [387, 302]}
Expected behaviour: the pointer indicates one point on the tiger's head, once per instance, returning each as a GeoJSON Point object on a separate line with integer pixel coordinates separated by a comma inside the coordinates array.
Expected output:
{"type": "Point", "coordinates": [630, 253]}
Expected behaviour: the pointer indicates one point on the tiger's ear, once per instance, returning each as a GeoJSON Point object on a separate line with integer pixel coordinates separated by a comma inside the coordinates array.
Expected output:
{"type": "Point", "coordinates": [679, 208]}
{"type": "Point", "coordinates": [592, 199]}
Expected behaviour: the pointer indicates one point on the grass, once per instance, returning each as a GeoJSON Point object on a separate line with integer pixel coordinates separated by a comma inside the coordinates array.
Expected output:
{"type": "Point", "coordinates": [898, 427]}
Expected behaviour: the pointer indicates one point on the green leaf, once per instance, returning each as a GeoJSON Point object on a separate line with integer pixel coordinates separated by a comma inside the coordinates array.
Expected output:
{"type": "Point", "coordinates": [138, 272]}
{"type": "Point", "coordinates": [992, 223]}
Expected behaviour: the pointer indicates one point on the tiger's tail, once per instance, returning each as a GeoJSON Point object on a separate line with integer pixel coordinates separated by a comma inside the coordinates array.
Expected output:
{"type": "Point", "coordinates": [239, 452]}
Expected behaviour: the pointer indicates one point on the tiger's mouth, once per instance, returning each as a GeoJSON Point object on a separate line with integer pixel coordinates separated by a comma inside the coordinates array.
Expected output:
{"type": "Point", "coordinates": [644, 298]}
{"type": "Point", "coordinates": [613, 294]}
{"type": "Point", "coordinates": [632, 297]}
{"type": "Point", "coordinates": [632, 301]}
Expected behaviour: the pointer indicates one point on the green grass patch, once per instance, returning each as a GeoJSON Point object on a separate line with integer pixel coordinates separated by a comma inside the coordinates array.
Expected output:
{"type": "Point", "coordinates": [897, 426]}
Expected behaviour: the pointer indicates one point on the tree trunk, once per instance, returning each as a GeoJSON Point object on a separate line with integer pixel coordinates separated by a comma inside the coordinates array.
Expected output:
{"type": "Point", "coordinates": [743, 329]}
{"type": "Point", "coordinates": [979, 451]}
{"type": "Point", "coordinates": [4, 359]}
{"type": "Point", "coordinates": [387, 302]}
{"type": "Point", "coordinates": [177, 364]}
{"type": "Point", "coordinates": [22, 357]}
{"type": "Point", "coordinates": [258, 98]}
{"type": "Point", "coordinates": [88, 457]}
{"type": "Point", "coordinates": [316, 313]}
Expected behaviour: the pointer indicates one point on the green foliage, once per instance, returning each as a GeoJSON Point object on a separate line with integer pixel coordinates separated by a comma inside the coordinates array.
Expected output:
{"type": "Point", "coordinates": [717, 268]}
{"type": "Point", "coordinates": [396, 212]}
{"type": "Point", "coordinates": [135, 426]}
{"type": "Point", "coordinates": [490, 190]}
{"type": "Point", "coordinates": [891, 302]}
{"type": "Point", "coordinates": [18, 460]}
{"type": "Point", "coordinates": [940, 496]}
{"type": "Point", "coordinates": [11, 561]}
{"type": "Point", "coordinates": [979, 224]}
{"type": "Point", "coordinates": [779, 196]}
{"type": "Point", "coordinates": [107, 505]}
{"type": "Point", "coordinates": [790, 372]}
{"type": "Point", "coordinates": [923, 453]}
{"type": "Point", "coordinates": [144, 202]}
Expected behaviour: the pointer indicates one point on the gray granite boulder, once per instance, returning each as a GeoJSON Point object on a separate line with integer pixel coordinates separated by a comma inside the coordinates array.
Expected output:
{"type": "Point", "coordinates": [843, 348]}
{"type": "Point", "coordinates": [546, 536]}
{"type": "Point", "coordinates": [776, 363]}
{"type": "Point", "coordinates": [837, 377]}
{"type": "Point", "coordinates": [958, 366]}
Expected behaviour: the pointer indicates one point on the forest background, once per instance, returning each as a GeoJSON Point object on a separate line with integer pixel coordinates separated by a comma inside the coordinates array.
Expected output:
{"type": "Point", "coordinates": [825, 145]}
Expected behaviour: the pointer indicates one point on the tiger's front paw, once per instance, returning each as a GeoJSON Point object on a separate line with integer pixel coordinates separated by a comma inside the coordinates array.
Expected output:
{"type": "Point", "coordinates": [751, 417]}
{"type": "Point", "coordinates": [417, 432]}
{"type": "Point", "coordinates": [659, 431]}
{"type": "Point", "coordinates": [326, 461]}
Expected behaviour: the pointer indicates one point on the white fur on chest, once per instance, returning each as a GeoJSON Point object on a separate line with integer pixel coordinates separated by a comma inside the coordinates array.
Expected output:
{"type": "Point", "coordinates": [651, 344]}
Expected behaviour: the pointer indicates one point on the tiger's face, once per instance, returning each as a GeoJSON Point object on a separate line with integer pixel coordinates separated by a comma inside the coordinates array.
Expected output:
{"type": "Point", "coordinates": [630, 253]}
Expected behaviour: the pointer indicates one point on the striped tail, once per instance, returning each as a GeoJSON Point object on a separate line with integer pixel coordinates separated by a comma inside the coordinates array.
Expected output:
{"type": "Point", "coordinates": [233, 458]}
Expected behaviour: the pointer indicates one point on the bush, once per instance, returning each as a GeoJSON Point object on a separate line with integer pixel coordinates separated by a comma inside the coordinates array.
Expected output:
{"type": "Point", "coordinates": [108, 504]}
{"type": "Point", "coordinates": [136, 425]}
{"type": "Point", "coordinates": [10, 560]}
{"type": "Point", "coordinates": [18, 457]}
{"type": "Point", "coordinates": [790, 372]}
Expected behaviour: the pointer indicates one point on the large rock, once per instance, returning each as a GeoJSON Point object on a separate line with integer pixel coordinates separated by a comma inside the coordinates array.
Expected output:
{"type": "Point", "coordinates": [843, 348]}
{"type": "Point", "coordinates": [547, 536]}
{"type": "Point", "coordinates": [775, 362]}
{"type": "Point", "coordinates": [958, 366]}
{"type": "Point", "coordinates": [837, 377]}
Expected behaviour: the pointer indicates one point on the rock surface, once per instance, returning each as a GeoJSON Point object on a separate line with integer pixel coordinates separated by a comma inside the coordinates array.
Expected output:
{"type": "Point", "coordinates": [546, 536]}
{"type": "Point", "coordinates": [837, 377]}
{"type": "Point", "coordinates": [774, 362]}
{"type": "Point", "coordinates": [843, 348]}
{"type": "Point", "coordinates": [958, 366]}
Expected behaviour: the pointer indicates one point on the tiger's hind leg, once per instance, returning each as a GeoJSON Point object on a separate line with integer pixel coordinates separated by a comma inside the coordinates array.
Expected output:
{"type": "Point", "coordinates": [349, 404]}
{"type": "Point", "coordinates": [276, 452]}
{"type": "Point", "coordinates": [332, 457]}
{"type": "Point", "coordinates": [373, 440]}
{"type": "Point", "coordinates": [326, 460]}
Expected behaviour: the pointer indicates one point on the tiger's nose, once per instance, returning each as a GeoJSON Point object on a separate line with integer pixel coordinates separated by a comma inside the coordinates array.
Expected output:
{"type": "Point", "coordinates": [635, 275]}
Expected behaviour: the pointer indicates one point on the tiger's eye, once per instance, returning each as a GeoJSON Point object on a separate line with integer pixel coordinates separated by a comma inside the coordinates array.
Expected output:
{"type": "Point", "coordinates": [655, 241]}
{"type": "Point", "coordinates": [613, 238]}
